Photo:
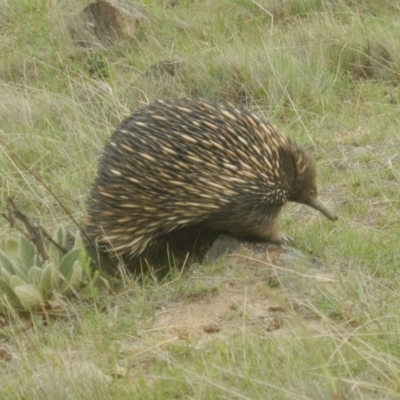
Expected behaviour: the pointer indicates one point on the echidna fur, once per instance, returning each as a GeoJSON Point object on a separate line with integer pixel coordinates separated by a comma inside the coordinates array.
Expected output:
{"type": "Point", "coordinates": [177, 167]}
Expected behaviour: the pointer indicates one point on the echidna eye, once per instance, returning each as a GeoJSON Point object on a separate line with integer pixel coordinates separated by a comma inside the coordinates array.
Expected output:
{"type": "Point", "coordinates": [312, 192]}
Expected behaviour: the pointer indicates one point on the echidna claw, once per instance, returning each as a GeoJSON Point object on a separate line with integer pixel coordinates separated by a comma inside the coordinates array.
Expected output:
{"type": "Point", "coordinates": [286, 238]}
{"type": "Point", "coordinates": [282, 238]}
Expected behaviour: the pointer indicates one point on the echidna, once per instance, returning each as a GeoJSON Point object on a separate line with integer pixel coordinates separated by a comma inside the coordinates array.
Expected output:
{"type": "Point", "coordinates": [180, 168]}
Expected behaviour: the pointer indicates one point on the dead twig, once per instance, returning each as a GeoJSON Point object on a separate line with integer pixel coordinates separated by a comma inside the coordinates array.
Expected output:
{"type": "Point", "coordinates": [36, 232]}
{"type": "Point", "coordinates": [40, 180]}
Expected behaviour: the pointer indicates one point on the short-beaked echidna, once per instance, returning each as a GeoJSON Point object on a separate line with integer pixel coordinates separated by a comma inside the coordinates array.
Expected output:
{"type": "Point", "coordinates": [176, 168]}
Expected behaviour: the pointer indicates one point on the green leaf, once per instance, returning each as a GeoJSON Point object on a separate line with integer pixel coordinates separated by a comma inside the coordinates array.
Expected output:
{"type": "Point", "coordinates": [55, 254]}
{"type": "Point", "coordinates": [11, 248]}
{"type": "Point", "coordinates": [6, 264]}
{"type": "Point", "coordinates": [21, 271]}
{"type": "Point", "coordinates": [5, 275]}
{"type": "Point", "coordinates": [101, 284]}
{"type": "Point", "coordinates": [76, 278]}
{"type": "Point", "coordinates": [74, 281]}
{"type": "Point", "coordinates": [78, 243]}
{"type": "Point", "coordinates": [68, 261]}
{"type": "Point", "coordinates": [37, 261]}
{"type": "Point", "coordinates": [29, 296]}
{"type": "Point", "coordinates": [60, 237]}
{"type": "Point", "coordinates": [16, 281]}
{"type": "Point", "coordinates": [8, 295]}
{"type": "Point", "coordinates": [3, 306]}
{"type": "Point", "coordinates": [97, 287]}
{"type": "Point", "coordinates": [50, 278]}
{"type": "Point", "coordinates": [27, 251]}
{"type": "Point", "coordinates": [35, 276]}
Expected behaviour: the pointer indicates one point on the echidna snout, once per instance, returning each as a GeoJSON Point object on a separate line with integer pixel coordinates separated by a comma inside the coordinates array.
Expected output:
{"type": "Point", "coordinates": [180, 168]}
{"type": "Point", "coordinates": [315, 202]}
{"type": "Point", "coordinates": [304, 189]}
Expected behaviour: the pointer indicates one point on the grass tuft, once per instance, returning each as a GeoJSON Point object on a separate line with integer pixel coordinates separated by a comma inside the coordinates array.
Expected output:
{"type": "Point", "coordinates": [327, 73]}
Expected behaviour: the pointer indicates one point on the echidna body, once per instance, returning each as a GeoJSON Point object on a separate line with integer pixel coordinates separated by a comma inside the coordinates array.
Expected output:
{"type": "Point", "coordinates": [180, 166]}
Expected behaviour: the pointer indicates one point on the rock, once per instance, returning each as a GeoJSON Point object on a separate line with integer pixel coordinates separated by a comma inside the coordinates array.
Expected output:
{"type": "Point", "coordinates": [105, 21]}
{"type": "Point", "coordinates": [223, 245]}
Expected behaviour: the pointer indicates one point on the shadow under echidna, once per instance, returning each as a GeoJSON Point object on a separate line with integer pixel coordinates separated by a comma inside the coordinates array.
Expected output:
{"type": "Point", "coordinates": [178, 173]}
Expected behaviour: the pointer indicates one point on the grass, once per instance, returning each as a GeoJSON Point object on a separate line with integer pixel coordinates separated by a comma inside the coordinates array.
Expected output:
{"type": "Point", "coordinates": [327, 73]}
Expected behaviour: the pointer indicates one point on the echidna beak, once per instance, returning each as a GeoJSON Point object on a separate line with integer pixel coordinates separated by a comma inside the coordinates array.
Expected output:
{"type": "Point", "coordinates": [323, 208]}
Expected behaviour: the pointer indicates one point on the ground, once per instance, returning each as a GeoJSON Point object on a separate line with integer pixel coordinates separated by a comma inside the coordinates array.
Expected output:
{"type": "Point", "coordinates": [315, 319]}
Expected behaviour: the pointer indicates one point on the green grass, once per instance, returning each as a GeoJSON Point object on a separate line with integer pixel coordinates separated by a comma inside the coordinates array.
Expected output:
{"type": "Point", "coordinates": [327, 73]}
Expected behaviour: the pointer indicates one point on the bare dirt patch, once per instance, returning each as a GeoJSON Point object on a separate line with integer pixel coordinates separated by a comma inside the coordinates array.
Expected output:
{"type": "Point", "coordinates": [251, 295]}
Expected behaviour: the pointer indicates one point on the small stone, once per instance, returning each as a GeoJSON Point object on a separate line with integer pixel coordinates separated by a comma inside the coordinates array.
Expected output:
{"type": "Point", "coordinates": [104, 21]}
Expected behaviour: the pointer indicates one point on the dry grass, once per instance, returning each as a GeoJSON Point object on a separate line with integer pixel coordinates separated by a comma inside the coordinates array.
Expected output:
{"type": "Point", "coordinates": [327, 73]}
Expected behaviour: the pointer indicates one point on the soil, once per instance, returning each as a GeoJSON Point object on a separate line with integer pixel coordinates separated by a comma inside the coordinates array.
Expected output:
{"type": "Point", "coordinates": [251, 294]}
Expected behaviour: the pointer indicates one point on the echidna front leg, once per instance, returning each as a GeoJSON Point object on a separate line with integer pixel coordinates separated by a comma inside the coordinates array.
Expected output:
{"type": "Point", "coordinates": [272, 231]}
